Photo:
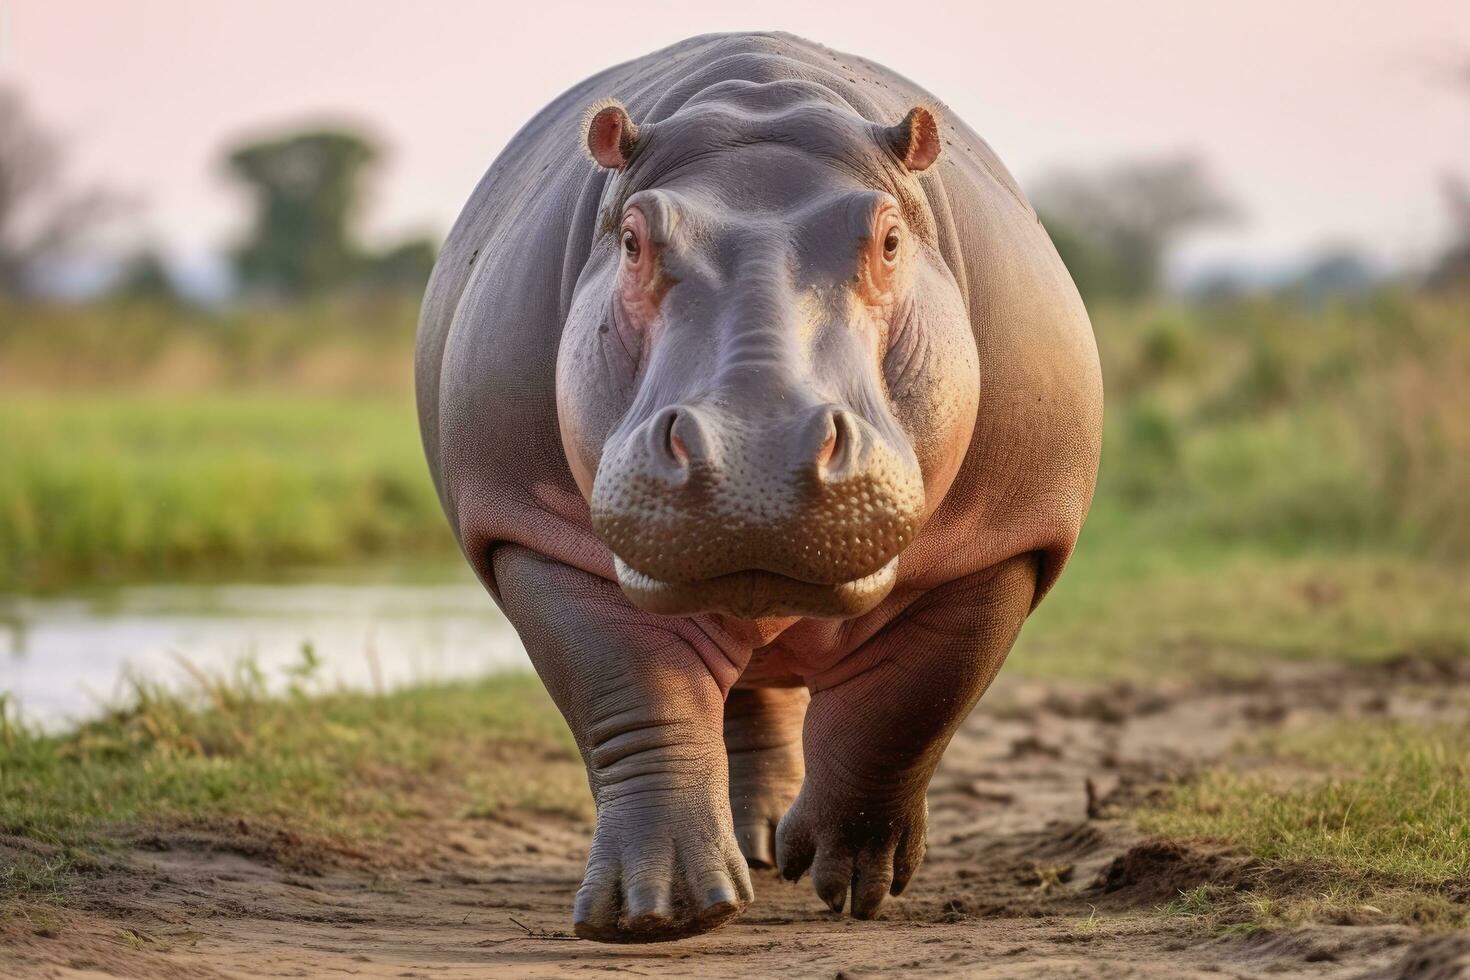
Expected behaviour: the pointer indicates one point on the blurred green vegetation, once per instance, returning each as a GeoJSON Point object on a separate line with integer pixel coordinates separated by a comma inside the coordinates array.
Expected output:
{"type": "Point", "coordinates": [122, 485]}
{"type": "Point", "coordinates": [150, 440]}
{"type": "Point", "coordinates": [1115, 226]}
{"type": "Point", "coordinates": [1277, 481]}
{"type": "Point", "coordinates": [1263, 423]}
{"type": "Point", "coordinates": [145, 441]}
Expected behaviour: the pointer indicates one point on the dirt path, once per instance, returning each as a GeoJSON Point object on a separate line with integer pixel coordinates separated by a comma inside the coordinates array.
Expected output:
{"type": "Point", "coordinates": [1029, 873]}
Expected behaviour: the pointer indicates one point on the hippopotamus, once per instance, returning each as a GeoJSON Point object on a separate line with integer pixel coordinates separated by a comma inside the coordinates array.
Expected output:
{"type": "Point", "coordinates": [759, 400]}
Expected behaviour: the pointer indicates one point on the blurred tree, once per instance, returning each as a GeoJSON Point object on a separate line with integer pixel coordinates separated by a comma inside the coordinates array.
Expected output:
{"type": "Point", "coordinates": [1452, 270]}
{"type": "Point", "coordinates": [39, 220]}
{"type": "Point", "coordinates": [308, 190]}
{"type": "Point", "coordinates": [1339, 270]}
{"type": "Point", "coordinates": [403, 267]}
{"type": "Point", "coordinates": [1114, 227]}
{"type": "Point", "coordinates": [145, 276]}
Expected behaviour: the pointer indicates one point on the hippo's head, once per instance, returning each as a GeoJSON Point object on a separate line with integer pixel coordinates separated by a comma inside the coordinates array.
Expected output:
{"type": "Point", "coordinates": [767, 380]}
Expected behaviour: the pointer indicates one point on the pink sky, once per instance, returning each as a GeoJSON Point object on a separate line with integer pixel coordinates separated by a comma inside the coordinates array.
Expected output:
{"type": "Point", "coordinates": [1329, 121]}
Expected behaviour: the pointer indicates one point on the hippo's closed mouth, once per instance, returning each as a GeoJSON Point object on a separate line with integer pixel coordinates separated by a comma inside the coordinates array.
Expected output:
{"type": "Point", "coordinates": [754, 593]}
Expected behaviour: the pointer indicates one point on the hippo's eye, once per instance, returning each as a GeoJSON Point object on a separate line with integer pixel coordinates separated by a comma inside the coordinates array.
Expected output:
{"type": "Point", "coordinates": [630, 244]}
{"type": "Point", "coordinates": [880, 256]}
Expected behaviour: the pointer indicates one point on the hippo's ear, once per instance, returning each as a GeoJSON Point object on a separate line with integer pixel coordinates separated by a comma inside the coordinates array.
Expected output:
{"type": "Point", "coordinates": [916, 139]}
{"type": "Point", "coordinates": [611, 135]}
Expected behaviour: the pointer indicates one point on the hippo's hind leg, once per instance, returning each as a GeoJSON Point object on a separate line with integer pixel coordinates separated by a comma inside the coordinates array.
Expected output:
{"type": "Point", "coordinates": [763, 740]}
{"type": "Point", "coordinates": [646, 710]}
{"type": "Point", "coordinates": [873, 739]}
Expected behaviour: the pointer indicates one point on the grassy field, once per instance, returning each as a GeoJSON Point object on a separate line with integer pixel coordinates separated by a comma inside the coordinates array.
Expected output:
{"type": "Point", "coordinates": [346, 768]}
{"type": "Point", "coordinates": [145, 442]}
{"type": "Point", "coordinates": [1278, 483]}
{"type": "Point", "coordinates": [122, 485]}
{"type": "Point", "coordinates": [1376, 813]}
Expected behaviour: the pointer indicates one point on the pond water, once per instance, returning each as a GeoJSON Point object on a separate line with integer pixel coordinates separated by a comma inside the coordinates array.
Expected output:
{"type": "Point", "coordinates": [65, 658]}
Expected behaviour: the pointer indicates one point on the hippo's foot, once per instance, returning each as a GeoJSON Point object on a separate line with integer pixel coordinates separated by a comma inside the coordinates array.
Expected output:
{"type": "Point", "coordinates": [763, 739]}
{"type": "Point", "coordinates": [763, 782]}
{"type": "Point", "coordinates": [664, 865]}
{"type": "Point", "coordinates": [864, 847]}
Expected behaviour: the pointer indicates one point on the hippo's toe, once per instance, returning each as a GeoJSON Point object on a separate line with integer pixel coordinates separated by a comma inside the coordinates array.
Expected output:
{"type": "Point", "coordinates": [852, 848]}
{"type": "Point", "coordinates": [657, 889]}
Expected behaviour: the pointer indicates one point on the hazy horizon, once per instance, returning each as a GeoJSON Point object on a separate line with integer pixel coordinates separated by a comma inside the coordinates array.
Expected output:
{"type": "Point", "coordinates": [1329, 126]}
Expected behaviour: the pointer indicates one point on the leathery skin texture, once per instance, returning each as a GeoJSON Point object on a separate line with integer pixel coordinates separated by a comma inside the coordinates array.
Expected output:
{"type": "Point", "coordinates": [762, 405]}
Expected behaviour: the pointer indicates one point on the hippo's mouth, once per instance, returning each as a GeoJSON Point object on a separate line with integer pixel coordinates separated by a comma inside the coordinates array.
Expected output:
{"type": "Point", "coordinates": [756, 593]}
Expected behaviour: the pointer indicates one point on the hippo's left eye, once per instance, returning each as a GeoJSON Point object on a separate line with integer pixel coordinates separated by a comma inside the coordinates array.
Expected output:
{"type": "Point", "coordinates": [630, 244]}
{"type": "Point", "coordinates": [890, 245]}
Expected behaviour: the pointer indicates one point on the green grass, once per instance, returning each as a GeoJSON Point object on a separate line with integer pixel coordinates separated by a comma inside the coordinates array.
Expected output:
{"type": "Point", "coordinates": [1290, 430]}
{"type": "Point", "coordinates": [1130, 608]}
{"type": "Point", "coordinates": [1276, 482]}
{"type": "Point", "coordinates": [110, 486]}
{"type": "Point", "coordinates": [345, 766]}
{"type": "Point", "coordinates": [1376, 814]}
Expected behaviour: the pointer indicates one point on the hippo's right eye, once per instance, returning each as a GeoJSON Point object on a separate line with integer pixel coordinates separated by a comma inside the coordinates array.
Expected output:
{"type": "Point", "coordinates": [630, 244]}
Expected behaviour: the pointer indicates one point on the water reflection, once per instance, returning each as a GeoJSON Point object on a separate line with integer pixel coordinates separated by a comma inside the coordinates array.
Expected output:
{"type": "Point", "coordinates": [61, 658]}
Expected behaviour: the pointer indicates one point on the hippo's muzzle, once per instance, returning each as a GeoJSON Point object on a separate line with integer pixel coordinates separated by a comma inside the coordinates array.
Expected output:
{"type": "Point", "coordinates": [765, 513]}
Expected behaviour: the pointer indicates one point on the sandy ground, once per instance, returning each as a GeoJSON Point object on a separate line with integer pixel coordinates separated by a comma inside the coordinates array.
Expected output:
{"type": "Point", "coordinates": [1030, 873]}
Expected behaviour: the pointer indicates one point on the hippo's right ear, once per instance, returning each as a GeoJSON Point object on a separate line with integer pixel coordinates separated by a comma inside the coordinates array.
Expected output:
{"type": "Point", "coordinates": [915, 140]}
{"type": "Point", "coordinates": [611, 135]}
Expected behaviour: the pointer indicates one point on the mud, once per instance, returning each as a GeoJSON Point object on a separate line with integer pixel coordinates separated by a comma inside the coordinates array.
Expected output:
{"type": "Point", "coordinates": [1032, 870]}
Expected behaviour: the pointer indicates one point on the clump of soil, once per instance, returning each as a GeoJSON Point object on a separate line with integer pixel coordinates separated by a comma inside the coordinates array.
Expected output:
{"type": "Point", "coordinates": [1157, 871]}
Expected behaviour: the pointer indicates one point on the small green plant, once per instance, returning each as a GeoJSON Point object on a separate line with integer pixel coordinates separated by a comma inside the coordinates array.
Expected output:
{"type": "Point", "coordinates": [1195, 903]}
{"type": "Point", "coordinates": [1090, 926]}
{"type": "Point", "coordinates": [303, 673]}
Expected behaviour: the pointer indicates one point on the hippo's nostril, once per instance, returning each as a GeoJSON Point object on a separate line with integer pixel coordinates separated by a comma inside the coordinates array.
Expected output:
{"type": "Point", "coordinates": [835, 455]}
{"type": "Point", "coordinates": [828, 448]}
{"type": "Point", "coordinates": [669, 439]}
{"type": "Point", "coordinates": [676, 439]}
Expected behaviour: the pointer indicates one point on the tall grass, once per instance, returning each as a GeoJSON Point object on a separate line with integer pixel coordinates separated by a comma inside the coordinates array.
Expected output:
{"type": "Point", "coordinates": [1345, 427]}
{"type": "Point", "coordinates": [360, 347]}
{"type": "Point", "coordinates": [123, 485]}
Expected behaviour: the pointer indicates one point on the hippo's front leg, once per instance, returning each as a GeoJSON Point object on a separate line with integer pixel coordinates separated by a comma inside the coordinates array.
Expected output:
{"type": "Point", "coordinates": [641, 695]}
{"type": "Point", "coordinates": [873, 740]}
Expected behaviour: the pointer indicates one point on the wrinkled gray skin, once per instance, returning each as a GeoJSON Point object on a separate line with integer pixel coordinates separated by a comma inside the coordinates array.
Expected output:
{"type": "Point", "coordinates": [767, 430]}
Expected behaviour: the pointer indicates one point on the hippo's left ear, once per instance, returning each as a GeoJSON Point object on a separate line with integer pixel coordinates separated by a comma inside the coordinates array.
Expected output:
{"type": "Point", "coordinates": [916, 139]}
{"type": "Point", "coordinates": [611, 135]}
